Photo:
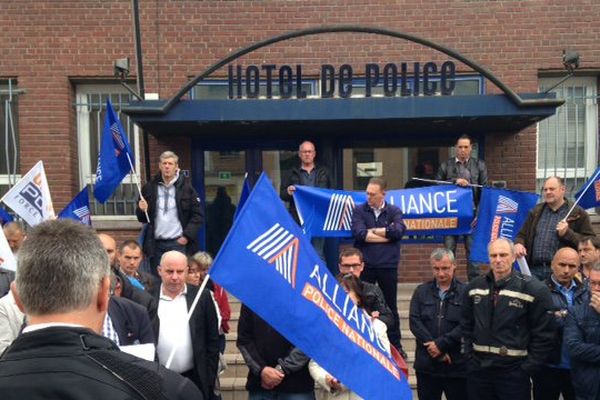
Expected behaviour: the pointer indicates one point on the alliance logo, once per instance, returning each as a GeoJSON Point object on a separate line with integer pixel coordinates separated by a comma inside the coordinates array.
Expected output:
{"type": "Point", "coordinates": [117, 139]}
{"type": "Point", "coordinates": [506, 205]}
{"type": "Point", "coordinates": [279, 247]}
{"type": "Point", "coordinates": [83, 213]}
{"type": "Point", "coordinates": [503, 225]}
{"type": "Point", "coordinates": [339, 213]}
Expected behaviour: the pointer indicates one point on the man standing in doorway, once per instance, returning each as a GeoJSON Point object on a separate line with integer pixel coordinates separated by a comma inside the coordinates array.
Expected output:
{"type": "Point", "coordinates": [377, 228]}
{"type": "Point", "coordinates": [546, 230]}
{"type": "Point", "coordinates": [308, 173]}
{"type": "Point", "coordinates": [464, 170]}
{"type": "Point", "coordinates": [173, 207]}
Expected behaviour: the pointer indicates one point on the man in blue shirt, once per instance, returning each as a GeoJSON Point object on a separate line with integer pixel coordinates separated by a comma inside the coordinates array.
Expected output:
{"type": "Point", "coordinates": [554, 378]}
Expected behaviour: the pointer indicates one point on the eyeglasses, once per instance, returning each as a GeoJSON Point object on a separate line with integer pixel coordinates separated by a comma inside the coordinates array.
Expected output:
{"type": "Point", "coordinates": [350, 266]}
{"type": "Point", "coordinates": [594, 283]}
{"type": "Point", "coordinates": [194, 272]}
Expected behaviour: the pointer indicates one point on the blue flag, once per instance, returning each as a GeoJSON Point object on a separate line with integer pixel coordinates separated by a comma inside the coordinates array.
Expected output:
{"type": "Point", "coordinates": [5, 217]}
{"type": "Point", "coordinates": [590, 192]}
{"type": "Point", "coordinates": [243, 197]}
{"type": "Point", "coordinates": [79, 208]}
{"type": "Point", "coordinates": [432, 210]}
{"type": "Point", "coordinates": [113, 162]}
{"type": "Point", "coordinates": [269, 265]}
{"type": "Point", "coordinates": [501, 214]}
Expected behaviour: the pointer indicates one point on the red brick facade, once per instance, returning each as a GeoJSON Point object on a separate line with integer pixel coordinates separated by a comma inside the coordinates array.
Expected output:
{"type": "Point", "coordinates": [50, 46]}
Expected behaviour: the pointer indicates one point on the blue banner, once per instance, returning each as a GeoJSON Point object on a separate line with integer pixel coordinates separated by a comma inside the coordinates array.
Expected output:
{"type": "Point", "coordinates": [432, 210]}
{"type": "Point", "coordinates": [590, 192]}
{"type": "Point", "coordinates": [501, 214]}
{"type": "Point", "coordinates": [115, 158]}
{"type": "Point", "coordinates": [269, 265]}
{"type": "Point", "coordinates": [79, 208]}
{"type": "Point", "coordinates": [243, 196]}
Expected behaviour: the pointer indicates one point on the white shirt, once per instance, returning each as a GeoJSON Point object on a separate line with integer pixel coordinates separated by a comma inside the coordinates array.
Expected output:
{"type": "Point", "coordinates": [174, 332]}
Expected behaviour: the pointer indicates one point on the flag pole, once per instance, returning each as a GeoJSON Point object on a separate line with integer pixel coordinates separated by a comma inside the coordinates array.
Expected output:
{"type": "Point", "coordinates": [189, 315]}
{"type": "Point", "coordinates": [591, 181]}
{"type": "Point", "coordinates": [137, 184]}
{"type": "Point", "coordinates": [444, 182]}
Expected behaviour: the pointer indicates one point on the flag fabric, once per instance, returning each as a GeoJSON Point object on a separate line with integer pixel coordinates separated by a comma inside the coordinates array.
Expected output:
{"type": "Point", "coordinates": [7, 259]}
{"type": "Point", "coordinates": [243, 196]}
{"type": "Point", "coordinates": [113, 162]}
{"type": "Point", "coordinates": [590, 192]}
{"type": "Point", "coordinates": [79, 208]}
{"type": "Point", "coordinates": [30, 197]}
{"type": "Point", "coordinates": [269, 265]}
{"type": "Point", "coordinates": [432, 210]}
{"type": "Point", "coordinates": [5, 217]}
{"type": "Point", "coordinates": [501, 214]}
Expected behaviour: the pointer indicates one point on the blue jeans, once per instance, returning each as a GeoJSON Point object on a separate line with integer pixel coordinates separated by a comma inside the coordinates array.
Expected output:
{"type": "Point", "coordinates": [272, 395]}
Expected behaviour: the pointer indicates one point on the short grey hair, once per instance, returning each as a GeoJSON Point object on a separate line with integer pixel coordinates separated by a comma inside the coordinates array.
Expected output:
{"type": "Point", "coordinates": [60, 268]}
{"type": "Point", "coordinates": [596, 267]}
{"type": "Point", "coordinates": [439, 253]}
{"type": "Point", "coordinates": [169, 154]}
{"type": "Point", "coordinates": [505, 240]}
{"type": "Point", "coordinates": [202, 258]}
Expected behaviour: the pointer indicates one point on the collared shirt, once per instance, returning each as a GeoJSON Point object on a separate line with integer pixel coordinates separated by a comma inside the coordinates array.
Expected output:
{"type": "Point", "coordinates": [37, 327]}
{"type": "Point", "coordinates": [378, 210]}
{"type": "Point", "coordinates": [462, 169]}
{"type": "Point", "coordinates": [308, 178]}
{"type": "Point", "coordinates": [167, 224]}
{"type": "Point", "coordinates": [546, 241]}
{"type": "Point", "coordinates": [175, 332]}
{"type": "Point", "coordinates": [108, 330]}
{"type": "Point", "coordinates": [567, 292]}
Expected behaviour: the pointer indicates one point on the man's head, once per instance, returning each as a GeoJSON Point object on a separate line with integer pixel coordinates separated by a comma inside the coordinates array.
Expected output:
{"type": "Point", "coordinates": [109, 244]}
{"type": "Point", "coordinates": [502, 256]}
{"type": "Point", "coordinates": [173, 270]}
{"type": "Point", "coordinates": [565, 265]}
{"type": "Point", "coordinates": [168, 165]}
{"type": "Point", "coordinates": [307, 153]}
{"type": "Point", "coordinates": [198, 264]}
{"type": "Point", "coordinates": [594, 279]}
{"type": "Point", "coordinates": [351, 261]}
{"type": "Point", "coordinates": [553, 192]}
{"type": "Point", "coordinates": [376, 192]}
{"type": "Point", "coordinates": [464, 147]}
{"type": "Point", "coordinates": [63, 275]}
{"type": "Point", "coordinates": [130, 257]}
{"type": "Point", "coordinates": [15, 234]}
{"type": "Point", "coordinates": [443, 266]}
{"type": "Point", "coordinates": [589, 251]}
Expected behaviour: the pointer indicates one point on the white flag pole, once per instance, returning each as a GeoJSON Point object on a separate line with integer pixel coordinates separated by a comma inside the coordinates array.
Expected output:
{"type": "Point", "coordinates": [444, 182]}
{"type": "Point", "coordinates": [189, 315]}
{"type": "Point", "coordinates": [592, 180]}
{"type": "Point", "coordinates": [137, 184]}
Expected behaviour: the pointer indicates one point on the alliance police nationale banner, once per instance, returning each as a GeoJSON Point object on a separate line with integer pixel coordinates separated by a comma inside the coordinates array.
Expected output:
{"type": "Point", "coordinates": [501, 214]}
{"type": "Point", "coordinates": [269, 265]}
{"type": "Point", "coordinates": [432, 210]}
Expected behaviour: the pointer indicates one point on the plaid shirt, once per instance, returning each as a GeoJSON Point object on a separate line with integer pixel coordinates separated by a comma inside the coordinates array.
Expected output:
{"type": "Point", "coordinates": [108, 330]}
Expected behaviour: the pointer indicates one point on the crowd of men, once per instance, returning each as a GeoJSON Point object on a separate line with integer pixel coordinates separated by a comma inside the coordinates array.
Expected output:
{"type": "Point", "coordinates": [502, 335]}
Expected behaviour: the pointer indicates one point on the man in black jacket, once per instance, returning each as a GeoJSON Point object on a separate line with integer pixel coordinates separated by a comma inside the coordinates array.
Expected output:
{"type": "Point", "coordinates": [276, 369]}
{"type": "Point", "coordinates": [308, 173]}
{"type": "Point", "coordinates": [464, 170]}
{"type": "Point", "coordinates": [507, 326]}
{"type": "Point", "coordinates": [554, 378]}
{"type": "Point", "coordinates": [435, 310]}
{"type": "Point", "coordinates": [173, 208]}
{"type": "Point", "coordinates": [60, 354]}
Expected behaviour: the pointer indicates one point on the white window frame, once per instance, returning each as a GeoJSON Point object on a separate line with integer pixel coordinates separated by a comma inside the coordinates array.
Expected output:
{"type": "Point", "coordinates": [87, 167]}
{"type": "Point", "coordinates": [591, 128]}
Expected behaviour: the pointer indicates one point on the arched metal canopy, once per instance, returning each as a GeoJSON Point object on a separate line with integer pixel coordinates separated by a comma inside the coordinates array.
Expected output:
{"type": "Point", "coordinates": [509, 112]}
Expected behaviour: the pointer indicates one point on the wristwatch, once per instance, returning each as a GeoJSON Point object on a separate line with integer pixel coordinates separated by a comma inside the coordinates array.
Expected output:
{"type": "Point", "coordinates": [280, 369]}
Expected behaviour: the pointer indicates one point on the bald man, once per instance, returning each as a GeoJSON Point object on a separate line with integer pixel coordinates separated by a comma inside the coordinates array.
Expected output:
{"type": "Point", "coordinates": [554, 378]}
{"type": "Point", "coordinates": [196, 341]}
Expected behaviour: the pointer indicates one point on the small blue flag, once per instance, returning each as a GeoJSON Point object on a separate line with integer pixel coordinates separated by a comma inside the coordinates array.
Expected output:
{"type": "Point", "coordinates": [243, 196]}
{"type": "Point", "coordinates": [115, 158]}
{"type": "Point", "coordinates": [79, 208]}
{"type": "Point", "coordinates": [501, 214]}
{"type": "Point", "coordinates": [590, 192]}
{"type": "Point", "coordinates": [267, 263]}
{"type": "Point", "coordinates": [5, 217]}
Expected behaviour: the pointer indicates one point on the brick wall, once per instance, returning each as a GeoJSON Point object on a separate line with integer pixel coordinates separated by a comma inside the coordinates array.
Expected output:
{"type": "Point", "coordinates": [50, 45]}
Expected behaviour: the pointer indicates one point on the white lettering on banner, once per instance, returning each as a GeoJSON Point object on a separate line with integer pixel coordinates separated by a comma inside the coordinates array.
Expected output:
{"type": "Point", "coordinates": [360, 320]}
{"type": "Point", "coordinates": [507, 228]}
{"type": "Point", "coordinates": [423, 203]}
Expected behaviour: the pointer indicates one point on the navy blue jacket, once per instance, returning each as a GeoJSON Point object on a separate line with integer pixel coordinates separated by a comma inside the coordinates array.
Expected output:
{"type": "Point", "coordinates": [131, 322]}
{"type": "Point", "coordinates": [432, 318]}
{"type": "Point", "coordinates": [582, 335]}
{"type": "Point", "coordinates": [378, 255]}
